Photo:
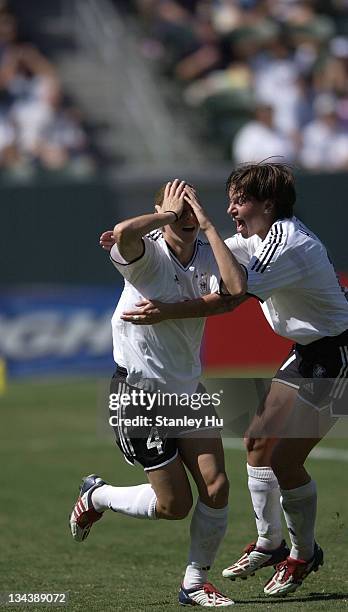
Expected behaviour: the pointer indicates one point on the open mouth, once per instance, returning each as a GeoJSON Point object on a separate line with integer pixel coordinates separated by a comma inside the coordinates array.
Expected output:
{"type": "Point", "coordinates": [240, 224]}
{"type": "Point", "coordinates": [189, 228]}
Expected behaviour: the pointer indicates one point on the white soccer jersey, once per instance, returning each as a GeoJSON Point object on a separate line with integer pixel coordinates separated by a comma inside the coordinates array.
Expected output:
{"type": "Point", "coordinates": [168, 352]}
{"type": "Point", "coordinates": [291, 273]}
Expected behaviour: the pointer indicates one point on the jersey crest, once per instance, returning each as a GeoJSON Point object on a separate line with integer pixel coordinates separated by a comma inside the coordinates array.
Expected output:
{"type": "Point", "coordinates": [203, 283]}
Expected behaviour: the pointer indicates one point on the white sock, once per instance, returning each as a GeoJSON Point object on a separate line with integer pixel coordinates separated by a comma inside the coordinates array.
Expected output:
{"type": "Point", "coordinates": [139, 501]}
{"type": "Point", "coordinates": [300, 508]}
{"type": "Point", "coordinates": [265, 496]}
{"type": "Point", "coordinates": [208, 527]}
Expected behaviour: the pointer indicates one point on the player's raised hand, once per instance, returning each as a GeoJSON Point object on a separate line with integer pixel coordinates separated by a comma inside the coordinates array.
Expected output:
{"type": "Point", "coordinates": [192, 199]}
{"type": "Point", "coordinates": [107, 240]}
{"type": "Point", "coordinates": [147, 312]}
{"type": "Point", "coordinates": [173, 199]}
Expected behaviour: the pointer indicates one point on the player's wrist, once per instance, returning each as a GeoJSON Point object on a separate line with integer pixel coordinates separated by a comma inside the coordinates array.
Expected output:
{"type": "Point", "coordinates": [175, 216]}
{"type": "Point", "coordinates": [207, 227]}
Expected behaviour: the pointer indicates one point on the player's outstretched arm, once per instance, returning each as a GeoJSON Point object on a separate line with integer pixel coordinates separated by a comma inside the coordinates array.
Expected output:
{"type": "Point", "coordinates": [128, 234]}
{"type": "Point", "coordinates": [149, 312]}
{"type": "Point", "coordinates": [232, 273]}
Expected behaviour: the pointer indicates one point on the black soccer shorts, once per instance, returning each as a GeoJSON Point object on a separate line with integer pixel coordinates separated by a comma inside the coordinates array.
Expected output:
{"type": "Point", "coordinates": [319, 371]}
{"type": "Point", "coordinates": [138, 436]}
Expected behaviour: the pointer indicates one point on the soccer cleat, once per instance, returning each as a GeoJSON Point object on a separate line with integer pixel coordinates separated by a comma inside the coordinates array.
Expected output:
{"type": "Point", "coordinates": [84, 514]}
{"type": "Point", "coordinates": [255, 558]}
{"type": "Point", "coordinates": [290, 574]}
{"type": "Point", "coordinates": [205, 595]}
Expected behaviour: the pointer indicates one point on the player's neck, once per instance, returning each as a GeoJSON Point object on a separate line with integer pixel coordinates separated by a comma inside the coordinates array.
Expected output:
{"type": "Point", "coordinates": [183, 252]}
{"type": "Point", "coordinates": [262, 233]}
{"type": "Point", "coordinates": [264, 229]}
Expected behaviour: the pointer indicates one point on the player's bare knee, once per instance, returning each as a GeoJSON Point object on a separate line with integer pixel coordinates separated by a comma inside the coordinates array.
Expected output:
{"type": "Point", "coordinates": [259, 451]}
{"type": "Point", "coordinates": [173, 509]}
{"type": "Point", "coordinates": [249, 443]}
{"type": "Point", "coordinates": [218, 491]}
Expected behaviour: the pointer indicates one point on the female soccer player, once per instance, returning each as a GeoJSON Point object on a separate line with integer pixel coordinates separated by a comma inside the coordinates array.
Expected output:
{"type": "Point", "coordinates": [289, 271]}
{"type": "Point", "coordinates": [160, 256]}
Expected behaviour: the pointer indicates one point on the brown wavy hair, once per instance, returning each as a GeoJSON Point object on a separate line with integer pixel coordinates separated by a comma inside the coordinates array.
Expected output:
{"type": "Point", "coordinates": [273, 182]}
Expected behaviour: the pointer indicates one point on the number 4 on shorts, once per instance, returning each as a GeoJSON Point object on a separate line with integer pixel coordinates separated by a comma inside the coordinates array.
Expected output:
{"type": "Point", "coordinates": [154, 441]}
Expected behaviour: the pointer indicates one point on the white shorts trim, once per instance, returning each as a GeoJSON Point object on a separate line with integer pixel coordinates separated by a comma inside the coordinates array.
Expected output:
{"type": "Point", "coordinates": [288, 361]}
{"type": "Point", "coordinates": [285, 382]}
{"type": "Point", "coordinates": [155, 467]}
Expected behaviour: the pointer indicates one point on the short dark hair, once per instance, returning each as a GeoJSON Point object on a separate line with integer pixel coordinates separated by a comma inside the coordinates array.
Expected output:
{"type": "Point", "coordinates": [266, 181]}
{"type": "Point", "coordinates": [159, 196]}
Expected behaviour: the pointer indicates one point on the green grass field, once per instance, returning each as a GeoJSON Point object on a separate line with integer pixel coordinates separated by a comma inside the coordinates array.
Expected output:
{"type": "Point", "coordinates": [51, 435]}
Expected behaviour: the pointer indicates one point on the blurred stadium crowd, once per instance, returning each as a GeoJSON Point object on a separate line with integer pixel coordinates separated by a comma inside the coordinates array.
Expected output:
{"type": "Point", "coordinates": [269, 76]}
{"type": "Point", "coordinates": [40, 128]}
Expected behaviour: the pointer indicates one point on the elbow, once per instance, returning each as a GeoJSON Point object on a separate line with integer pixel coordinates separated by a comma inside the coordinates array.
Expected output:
{"type": "Point", "coordinates": [237, 294]}
{"type": "Point", "coordinates": [119, 234]}
{"type": "Point", "coordinates": [237, 289]}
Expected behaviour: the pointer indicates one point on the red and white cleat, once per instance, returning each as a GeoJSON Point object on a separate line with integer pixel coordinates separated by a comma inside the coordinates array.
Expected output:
{"type": "Point", "coordinates": [255, 558]}
{"type": "Point", "coordinates": [290, 574]}
{"type": "Point", "coordinates": [84, 514]}
{"type": "Point", "coordinates": [205, 595]}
